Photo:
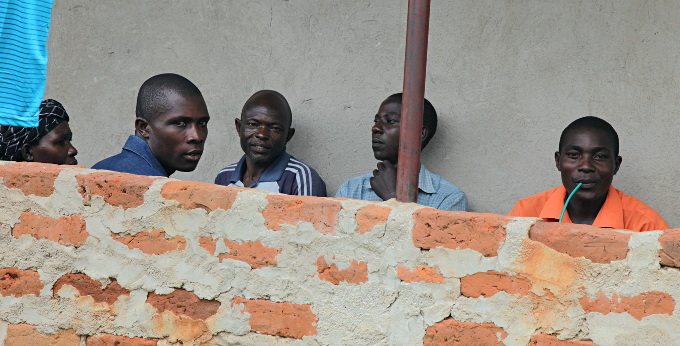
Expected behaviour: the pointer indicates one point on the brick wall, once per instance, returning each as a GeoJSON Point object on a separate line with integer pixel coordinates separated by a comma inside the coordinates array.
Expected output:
{"type": "Point", "coordinates": [98, 258]}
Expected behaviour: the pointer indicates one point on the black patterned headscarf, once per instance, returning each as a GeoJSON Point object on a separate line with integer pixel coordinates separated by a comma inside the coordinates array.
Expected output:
{"type": "Point", "coordinates": [12, 138]}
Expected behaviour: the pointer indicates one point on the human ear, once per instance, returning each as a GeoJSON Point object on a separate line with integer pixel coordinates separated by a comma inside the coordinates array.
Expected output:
{"type": "Point", "coordinates": [142, 128]}
{"type": "Point", "coordinates": [557, 160]}
{"type": "Point", "coordinates": [617, 164]}
{"type": "Point", "coordinates": [27, 152]}
{"type": "Point", "coordinates": [291, 132]}
{"type": "Point", "coordinates": [237, 122]}
{"type": "Point", "coordinates": [423, 135]}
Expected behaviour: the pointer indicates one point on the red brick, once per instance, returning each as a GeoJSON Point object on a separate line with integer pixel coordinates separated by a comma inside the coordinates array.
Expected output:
{"type": "Point", "coordinates": [15, 282]}
{"type": "Point", "coordinates": [153, 242]}
{"type": "Point", "coordinates": [356, 273]}
{"type": "Point", "coordinates": [483, 233]}
{"type": "Point", "coordinates": [594, 243]}
{"type": "Point", "coordinates": [68, 230]}
{"type": "Point", "coordinates": [645, 304]}
{"type": "Point", "coordinates": [419, 274]}
{"type": "Point", "coordinates": [453, 333]}
{"type": "Point", "coordinates": [192, 195]}
{"type": "Point", "coordinates": [115, 340]}
{"type": "Point", "coordinates": [551, 340]}
{"type": "Point", "coordinates": [321, 212]}
{"type": "Point", "coordinates": [371, 216]}
{"type": "Point", "coordinates": [670, 248]}
{"type": "Point", "coordinates": [31, 178]}
{"type": "Point", "coordinates": [281, 319]}
{"type": "Point", "coordinates": [253, 253]}
{"type": "Point", "coordinates": [25, 335]}
{"type": "Point", "coordinates": [87, 286]}
{"type": "Point", "coordinates": [489, 283]}
{"type": "Point", "coordinates": [118, 189]}
{"type": "Point", "coordinates": [181, 302]}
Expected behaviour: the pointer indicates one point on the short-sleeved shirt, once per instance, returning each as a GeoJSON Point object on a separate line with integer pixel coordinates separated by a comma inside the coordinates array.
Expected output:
{"type": "Point", "coordinates": [286, 175]}
{"type": "Point", "coordinates": [619, 210]}
{"type": "Point", "coordinates": [433, 191]}
{"type": "Point", "coordinates": [136, 158]}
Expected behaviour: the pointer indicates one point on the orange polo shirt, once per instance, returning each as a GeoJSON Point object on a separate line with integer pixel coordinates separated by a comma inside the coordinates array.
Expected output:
{"type": "Point", "coordinates": [619, 210]}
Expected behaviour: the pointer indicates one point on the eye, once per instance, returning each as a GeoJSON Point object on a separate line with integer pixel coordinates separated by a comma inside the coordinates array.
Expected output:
{"type": "Point", "coordinates": [180, 123]}
{"type": "Point", "coordinates": [573, 155]}
{"type": "Point", "coordinates": [203, 123]}
{"type": "Point", "coordinates": [276, 129]}
{"type": "Point", "coordinates": [600, 156]}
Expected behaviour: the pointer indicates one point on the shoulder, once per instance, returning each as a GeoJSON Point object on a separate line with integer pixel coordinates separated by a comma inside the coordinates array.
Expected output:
{"type": "Point", "coordinates": [639, 216]}
{"type": "Point", "coordinates": [448, 188]}
{"type": "Point", "coordinates": [298, 167]}
{"type": "Point", "coordinates": [531, 206]}
{"type": "Point", "coordinates": [224, 176]}
{"type": "Point", "coordinates": [127, 162]}
{"type": "Point", "coordinates": [302, 179]}
{"type": "Point", "coordinates": [351, 187]}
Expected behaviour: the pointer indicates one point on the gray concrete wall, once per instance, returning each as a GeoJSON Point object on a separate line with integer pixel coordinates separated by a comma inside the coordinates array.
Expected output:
{"type": "Point", "coordinates": [505, 76]}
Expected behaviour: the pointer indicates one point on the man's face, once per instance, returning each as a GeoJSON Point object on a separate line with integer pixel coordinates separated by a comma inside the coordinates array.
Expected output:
{"type": "Point", "coordinates": [386, 131]}
{"type": "Point", "coordinates": [176, 137]}
{"type": "Point", "coordinates": [264, 132]}
{"type": "Point", "coordinates": [587, 157]}
{"type": "Point", "coordinates": [55, 147]}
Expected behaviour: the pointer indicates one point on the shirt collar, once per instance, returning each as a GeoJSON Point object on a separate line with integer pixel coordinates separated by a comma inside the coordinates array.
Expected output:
{"type": "Point", "coordinates": [141, 148]}
{"type": "Point", "coordinates": [273, 172]}
{"type": "Point", "coordinates": [610, 215]}
{"type": "Point", "coordinates": [427, 181]}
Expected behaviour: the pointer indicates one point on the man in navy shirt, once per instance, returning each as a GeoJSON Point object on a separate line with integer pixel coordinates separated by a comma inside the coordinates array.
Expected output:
{"type": "Point", "coordinates": [170, 129]}
{"type": "Point", "coordinates": [264, 130]}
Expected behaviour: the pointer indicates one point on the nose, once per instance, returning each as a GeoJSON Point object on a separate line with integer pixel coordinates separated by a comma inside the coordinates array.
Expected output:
{"type": "Point", "coordinates": [377, 127]}
{"type": "Point", "coordinates": [262, 132]}
{"type": "Point", "coordinates": [196, 134]}
{"type": "Point", "coordinates": [72, 151]}
{"type": "Point", "coordinates": [586, 165]}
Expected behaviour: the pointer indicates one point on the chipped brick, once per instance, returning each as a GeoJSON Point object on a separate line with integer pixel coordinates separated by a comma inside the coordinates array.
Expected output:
{"type": "Point", "coordinates": [371, 216]}
{"type": "Point", "coordinates": [192, 195]}
{"type": "Point", "coordinates": [32, 178]}
{"type": "Point", "coordinates": [15, 282]}
{"type": "Point", "coordinates": [24, 335]}
{"type": "Point", "coordinates": [281, 319]}
{"type": "Point", "coordinates": [153, 242]}
{"type": "Point", "coordinates": [182, 302]}
{"type": "Point", "coordinates": [645, 304]}
{"type": "Point", "coordinates": [253, 253]}
{"type": "Point", "coordinates": [594, 243]}
{"type": "Point", "coordinates": [483, 233]}
{"type": "Point", "coordinates": [421, 273]}
{"type": "Point", "coordinates": [67, 230]}
{"type": "Point", "coordinates": [489, 283]}
{"type": "Point", "coordinates": [356, 273]}
{"type": "Point", "coordinates": [670, 248]}
{"type": "Point", "coordinates": [118, 189]}
{"type": "Point", "coordinates": [320, 212]}
{"type": "Point", "coordinates": [551, 340]}
{"type": "Point", "coordinates": [453, 333]}
{"type": "Point", "coordinates": [87, 286]}
{"type": "Point", "coordinates": [116, 340]}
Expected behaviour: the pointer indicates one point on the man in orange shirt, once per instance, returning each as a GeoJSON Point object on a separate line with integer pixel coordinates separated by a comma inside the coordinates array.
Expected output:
{"type": "Point", "coordinates": [589, 154]}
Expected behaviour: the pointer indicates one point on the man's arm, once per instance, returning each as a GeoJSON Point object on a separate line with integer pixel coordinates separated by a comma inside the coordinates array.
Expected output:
{"type": "Point", "coordinates": [454, 202]}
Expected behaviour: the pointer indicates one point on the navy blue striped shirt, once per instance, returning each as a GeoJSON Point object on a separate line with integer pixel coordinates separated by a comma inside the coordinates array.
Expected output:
{"type": "Point", "coordinates": [24, 25]}
{"type": "Point", "coordinates": [286, 175]}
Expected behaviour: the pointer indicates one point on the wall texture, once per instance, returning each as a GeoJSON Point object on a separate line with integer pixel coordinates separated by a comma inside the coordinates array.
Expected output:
{"type": "Point", "coordinates": [505, 76]}
{"type": "Point", "coordinates": [99, 258]}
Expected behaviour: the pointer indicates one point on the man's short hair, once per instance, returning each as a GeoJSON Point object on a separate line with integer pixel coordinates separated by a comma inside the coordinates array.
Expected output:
{"type": "Point", "coordinates": [152, 98]}
{"type": "Point", "coordinates": [429, 117]}
{"type": "Point", "coordinates": [269, 98]}
{"type": "Point", "coordinates": [591, 122]}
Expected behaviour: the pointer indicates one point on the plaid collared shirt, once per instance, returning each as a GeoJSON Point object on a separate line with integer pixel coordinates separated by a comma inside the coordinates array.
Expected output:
{"type": "Point", "coordinates": [433, 191]}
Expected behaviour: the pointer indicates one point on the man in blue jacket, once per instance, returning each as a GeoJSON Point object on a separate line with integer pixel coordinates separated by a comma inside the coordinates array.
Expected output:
{"type": "Point", "coordinates": [170, 129]}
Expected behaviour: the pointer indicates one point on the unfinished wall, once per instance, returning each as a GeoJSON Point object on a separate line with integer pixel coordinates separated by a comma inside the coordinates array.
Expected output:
{"type": "Point", "coordinates": [505, 76]}
{"type": "Point", "coordinates": [100, 258]}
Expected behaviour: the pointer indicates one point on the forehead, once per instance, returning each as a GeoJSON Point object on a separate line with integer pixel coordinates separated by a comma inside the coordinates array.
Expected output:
{"type": "Point", "coordinates": [589, 138]}
{"type": "Point", "coordinates": [390, 106]}
{"type": "Point", "coordinates": [265, 112]}
{"type": "Point", "coordinates": [184, 106]}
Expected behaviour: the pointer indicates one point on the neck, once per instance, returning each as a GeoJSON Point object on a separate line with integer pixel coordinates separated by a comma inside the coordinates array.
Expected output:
{"type": "Point", "coordinates": [585, 212]}
{"type": "Point", "coordinates": [253, 171]}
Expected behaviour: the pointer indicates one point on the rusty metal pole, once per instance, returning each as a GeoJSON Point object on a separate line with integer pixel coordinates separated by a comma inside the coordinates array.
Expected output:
{"type": "Point", "coordinates": [408, 168]}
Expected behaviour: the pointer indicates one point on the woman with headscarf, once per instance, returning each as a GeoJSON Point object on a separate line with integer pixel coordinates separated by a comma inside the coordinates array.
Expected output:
{"type": "Point", "coordinates": [50, 142]}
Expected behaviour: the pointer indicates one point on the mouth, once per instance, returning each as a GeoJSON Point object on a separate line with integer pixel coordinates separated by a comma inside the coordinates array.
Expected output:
{"type": "Point", "coordinates": [193, 155]}
{"type": "Point", "coordinates": [586, 183]}
{"type": "Point", "coordinates": [260, 148]}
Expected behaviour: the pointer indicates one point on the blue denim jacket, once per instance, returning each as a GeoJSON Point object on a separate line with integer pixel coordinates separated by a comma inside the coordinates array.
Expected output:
{"type": "Point", "coordinates": [136, 158]}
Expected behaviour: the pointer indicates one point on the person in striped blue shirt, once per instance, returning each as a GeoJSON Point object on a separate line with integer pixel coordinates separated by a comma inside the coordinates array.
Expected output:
{"type": "Point", "coordinates": [381, 185]}
{"type": "Point", "coordinates": [264, 129]}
